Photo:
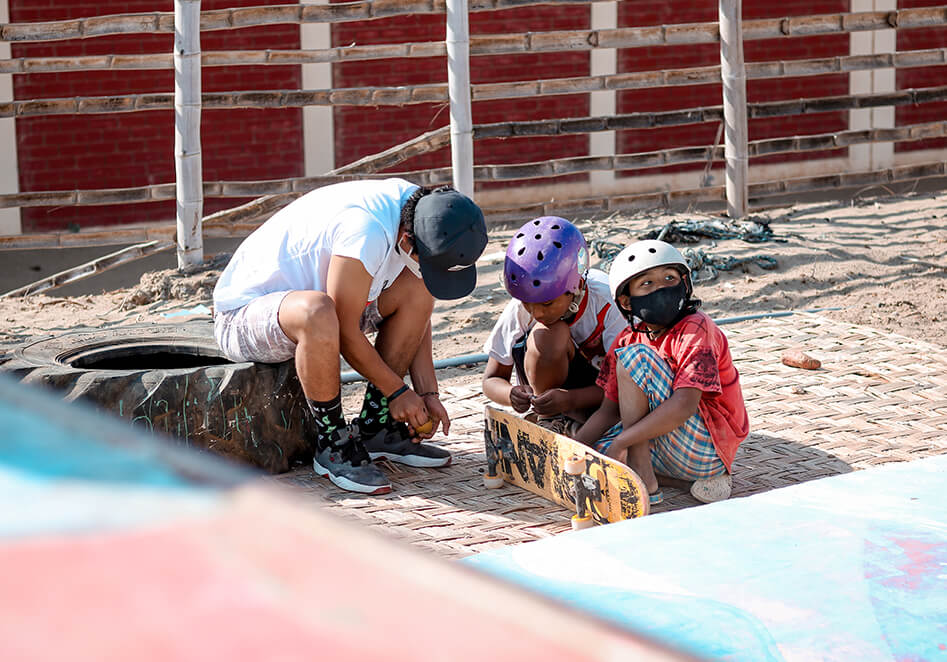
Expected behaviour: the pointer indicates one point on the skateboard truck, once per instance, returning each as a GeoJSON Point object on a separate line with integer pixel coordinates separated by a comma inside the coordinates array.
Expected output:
{"type": "Point", "coordinates": [495, 450]}
{"type": "Point", "coordinates": [584, 490]}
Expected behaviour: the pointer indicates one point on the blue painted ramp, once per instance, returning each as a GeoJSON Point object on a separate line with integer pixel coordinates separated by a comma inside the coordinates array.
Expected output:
{"type": "Point", "coordinates": [118, 547]}
{"type": "Point", "coordinates": [851, 567]}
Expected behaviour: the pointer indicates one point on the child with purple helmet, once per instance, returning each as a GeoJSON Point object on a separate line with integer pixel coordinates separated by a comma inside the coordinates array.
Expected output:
{"type": "Point", "coordinates": [555, 331]}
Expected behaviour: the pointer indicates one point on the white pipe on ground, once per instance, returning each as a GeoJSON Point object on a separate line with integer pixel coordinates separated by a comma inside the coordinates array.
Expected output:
{"type": "Point", "coordinates": [733, 75]}
{"type": "Point", "coordinates": [458, 86]}
{"type": "Point", "coordinates": [187, 132]}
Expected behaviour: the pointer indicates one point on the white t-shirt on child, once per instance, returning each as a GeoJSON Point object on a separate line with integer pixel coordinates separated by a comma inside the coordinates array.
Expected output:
{"type": "Point", "coordinates": [593, 330]}
{"type": "Point", "coordinates": [291, 250]}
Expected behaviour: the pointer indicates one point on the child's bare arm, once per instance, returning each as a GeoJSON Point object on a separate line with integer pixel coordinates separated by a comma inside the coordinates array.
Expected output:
{"type": "Point", "coordinates": [496, 386]}
{"type": "Point", "coordinates": [669, 415]}
{"type": "Point", "coordinates": [599, 422]}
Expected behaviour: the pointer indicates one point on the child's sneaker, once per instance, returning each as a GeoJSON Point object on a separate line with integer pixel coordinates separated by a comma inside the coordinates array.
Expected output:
{"type": "Point", "coordinates": [346, 463]}
{"type": "Point", "coordinates": [709, 490]}
{"type": "Point", "coordinates": [395, 446]}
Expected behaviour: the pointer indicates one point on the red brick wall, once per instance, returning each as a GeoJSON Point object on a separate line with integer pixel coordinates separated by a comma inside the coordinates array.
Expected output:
{"type": "Point", "coordinates": [702, 55]}
{"type": "Point", "coordinates": [361, 130]}
{"type": "Point", "coordinates": [136, 149]}
{"type": "Point", "coordinates": [914, 40]}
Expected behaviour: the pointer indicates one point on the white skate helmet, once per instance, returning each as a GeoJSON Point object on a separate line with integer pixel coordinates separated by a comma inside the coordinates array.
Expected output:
{"type": "Point", "coordinates": [641, 256]}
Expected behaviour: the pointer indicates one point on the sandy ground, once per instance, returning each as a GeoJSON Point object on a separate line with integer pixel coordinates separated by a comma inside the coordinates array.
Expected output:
{"type": "Point", "coordinates": [878, 262]}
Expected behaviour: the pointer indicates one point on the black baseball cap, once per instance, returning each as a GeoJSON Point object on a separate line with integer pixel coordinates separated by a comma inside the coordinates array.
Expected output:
{"type": "Point", "coordinates": [449, 234]}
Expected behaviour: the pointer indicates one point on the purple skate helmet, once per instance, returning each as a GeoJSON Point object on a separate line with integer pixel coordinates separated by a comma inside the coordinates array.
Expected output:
{"type": "Point", "coordinates": [546, 258]}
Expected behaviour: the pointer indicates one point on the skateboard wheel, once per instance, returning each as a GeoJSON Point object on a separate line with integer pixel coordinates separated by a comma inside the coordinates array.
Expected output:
{"type": "Point", "coordinates": [492, 482]}
{"type": "Point", "coordinates": [575, 465]}
{"type": "Point", "coordinates": [582, 522]}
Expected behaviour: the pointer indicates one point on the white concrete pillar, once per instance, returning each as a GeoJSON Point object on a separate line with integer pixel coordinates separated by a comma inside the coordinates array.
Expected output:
{"type": "Point", "coordinates": [604, 62]}
{"type": "Point", "coordinates": [874, 156]}
{"type": "Point", "coordinates": [9, 172]}
{"type": "Point", "coordinates": [318, 127]}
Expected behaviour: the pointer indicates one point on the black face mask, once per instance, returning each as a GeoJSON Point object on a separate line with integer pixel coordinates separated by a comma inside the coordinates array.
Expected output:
{"type": "Point", "coordinates": [660, 307]}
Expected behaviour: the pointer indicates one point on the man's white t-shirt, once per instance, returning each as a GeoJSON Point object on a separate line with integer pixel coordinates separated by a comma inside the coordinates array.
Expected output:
{"type": "Point", "coordinates": [593, 330]}
{"type": "Point", "coordinates": [291, 250]}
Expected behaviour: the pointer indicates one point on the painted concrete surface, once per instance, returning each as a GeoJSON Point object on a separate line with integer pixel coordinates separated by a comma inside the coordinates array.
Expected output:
{"type": "Point", "coordinates": [120, 547]}
{"type": "Point", "coordinates": [851, 567]}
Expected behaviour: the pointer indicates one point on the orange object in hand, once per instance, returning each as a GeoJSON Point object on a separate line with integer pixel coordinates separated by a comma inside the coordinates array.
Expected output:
{"type": "Point", "coordinates": [426, 428]}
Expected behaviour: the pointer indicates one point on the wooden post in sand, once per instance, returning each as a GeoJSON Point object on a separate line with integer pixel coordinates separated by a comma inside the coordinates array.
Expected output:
{"type": "Point", "coordinates": [458, 85]}
{"type": "Point", "coordinates": [187, 132]}
{"type": "Point", "coordinates": [733, 75]}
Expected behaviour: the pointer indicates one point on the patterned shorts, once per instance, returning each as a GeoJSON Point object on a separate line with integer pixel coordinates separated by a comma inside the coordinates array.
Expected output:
{"type": "Point", "coordinates": [253, 333]}
{"type": "Point", "coordinates": [688, 452]}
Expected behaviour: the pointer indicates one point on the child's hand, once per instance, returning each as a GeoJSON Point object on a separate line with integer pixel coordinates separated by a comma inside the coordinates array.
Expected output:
{"type": "Point", "coordinates": [619, 453]}
{"type": "Point", "coordinates": [553, 401]}
{"type": "Point", "coordinates": [521, 397]}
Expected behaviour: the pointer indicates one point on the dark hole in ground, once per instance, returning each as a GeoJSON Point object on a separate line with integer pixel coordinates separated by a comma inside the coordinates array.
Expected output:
{"type": "Point", "coordinates": [145, 358]}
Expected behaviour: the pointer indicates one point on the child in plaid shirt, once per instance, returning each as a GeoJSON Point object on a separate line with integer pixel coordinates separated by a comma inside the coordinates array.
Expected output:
{"type": "Point", "coordinates": [672, 401]}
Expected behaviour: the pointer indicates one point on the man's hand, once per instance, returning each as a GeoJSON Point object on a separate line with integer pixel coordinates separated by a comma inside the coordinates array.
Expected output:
{"type": "Point", "coordinates": [409, 408]}
{"type": "Point", "coordinates": [438, 414]}
{"type": "Point", "coordinates": [553, 401]}
{"type": "Point", "coordinates": [521, 397]}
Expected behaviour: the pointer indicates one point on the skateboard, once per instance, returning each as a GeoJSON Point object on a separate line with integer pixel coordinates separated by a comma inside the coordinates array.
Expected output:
{"type": "Point", "coordinates": [600, 489]}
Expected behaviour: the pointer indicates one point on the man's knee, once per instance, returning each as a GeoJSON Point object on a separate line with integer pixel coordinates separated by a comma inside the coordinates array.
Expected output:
{"type": "Point", "coordinates": [406, 293]}
{"type": "Point", "coordinates": [309, 316]}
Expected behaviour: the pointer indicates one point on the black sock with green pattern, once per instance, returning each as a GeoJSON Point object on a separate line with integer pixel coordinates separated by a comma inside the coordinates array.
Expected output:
{"type": "Point", "coordinates": [328, 417]}
{"type": "Point", "coordinates": [374, 415]}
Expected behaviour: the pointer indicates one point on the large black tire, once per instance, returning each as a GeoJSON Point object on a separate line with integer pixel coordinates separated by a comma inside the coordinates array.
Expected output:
{"type": "Point", "coordinates": [173, 379]}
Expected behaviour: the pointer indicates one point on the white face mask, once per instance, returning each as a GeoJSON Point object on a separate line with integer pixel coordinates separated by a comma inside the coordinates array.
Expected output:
{"type": "Point", "coordinates": [409, 263]}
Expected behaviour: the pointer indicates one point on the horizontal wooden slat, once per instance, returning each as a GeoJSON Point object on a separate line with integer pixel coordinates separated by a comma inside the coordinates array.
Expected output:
{"type": "Point", "coordinates": [226, 19]}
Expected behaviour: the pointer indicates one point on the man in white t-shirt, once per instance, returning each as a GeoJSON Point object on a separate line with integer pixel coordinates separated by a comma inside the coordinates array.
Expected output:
{"type": "Point", "coordinates": [555, 331]}
{"type": "Point", "coordinates": [339, 262]}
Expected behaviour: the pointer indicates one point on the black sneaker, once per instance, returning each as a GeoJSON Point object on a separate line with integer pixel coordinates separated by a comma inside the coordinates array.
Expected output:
{"type": "Point", "coordinates": [346, 464]}
{"type": "Point", "coordinates": [395, 446]}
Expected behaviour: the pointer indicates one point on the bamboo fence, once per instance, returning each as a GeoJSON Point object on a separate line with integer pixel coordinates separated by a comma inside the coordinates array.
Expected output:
{"type": "Point", "coordinates": [244, 218]}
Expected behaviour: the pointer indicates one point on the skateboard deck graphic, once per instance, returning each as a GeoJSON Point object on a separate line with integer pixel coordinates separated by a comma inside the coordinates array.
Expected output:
{"type": "Point", "coordinates": [569, 473]}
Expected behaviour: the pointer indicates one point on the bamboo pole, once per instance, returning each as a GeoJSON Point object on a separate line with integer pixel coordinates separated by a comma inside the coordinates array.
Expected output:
{"type": "Point", "coordinates": [482, 45]}
{"type": "Point", "coordinates": [458, 86]}
{"type": "Point", "coordinates": [187, 132]}
{"type": "Point", "coordinates": [405, 95]}
{"type": "Point", "coordinates": [733, 75]}
{"type": "Point", "coordinates": [244, 17]}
